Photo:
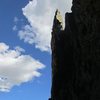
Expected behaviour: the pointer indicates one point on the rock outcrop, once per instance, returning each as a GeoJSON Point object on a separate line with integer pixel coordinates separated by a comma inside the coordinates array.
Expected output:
{"type": "Point", "coordinates": [76, 53]}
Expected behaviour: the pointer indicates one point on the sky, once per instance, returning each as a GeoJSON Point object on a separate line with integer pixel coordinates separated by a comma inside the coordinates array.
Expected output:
{"type": "Point", "coordinates": [25, 52]}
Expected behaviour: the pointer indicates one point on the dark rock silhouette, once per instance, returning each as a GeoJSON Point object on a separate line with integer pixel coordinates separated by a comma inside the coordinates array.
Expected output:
{"type": "Point", "coordinates": [76, 53]}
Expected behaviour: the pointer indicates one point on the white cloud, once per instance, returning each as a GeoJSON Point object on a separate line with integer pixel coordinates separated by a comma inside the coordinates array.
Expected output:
{"type": "Point", "coordinates": [15, 22]}
{"type": "Point", "coordinates": [40, 14]}
{"type": "Point", "coordinates": [16, 19]}
{"type": "Point", "coordinates": [16, 68]}
{"type": "Point", "coordinates": [14, 28]}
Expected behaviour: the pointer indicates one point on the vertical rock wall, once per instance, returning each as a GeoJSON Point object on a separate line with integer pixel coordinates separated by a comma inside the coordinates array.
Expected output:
{"type": "Point", "coordinates": [76, 53]}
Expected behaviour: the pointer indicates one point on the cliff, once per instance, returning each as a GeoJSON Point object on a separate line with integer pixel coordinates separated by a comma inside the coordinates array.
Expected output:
{"type": "Point", "coordinates": [76, 53]}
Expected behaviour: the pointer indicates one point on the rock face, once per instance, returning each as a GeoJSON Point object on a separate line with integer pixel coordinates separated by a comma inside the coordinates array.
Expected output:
{"type": "Point", "coordinates": [76, 53]}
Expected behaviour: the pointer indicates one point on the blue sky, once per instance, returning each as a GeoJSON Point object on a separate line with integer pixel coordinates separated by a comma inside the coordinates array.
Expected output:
{"type": "Point", "coordinates": [25, 55]}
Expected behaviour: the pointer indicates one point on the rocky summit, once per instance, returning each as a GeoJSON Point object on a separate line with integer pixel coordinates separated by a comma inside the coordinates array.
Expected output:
{"type": "Point", "coordinates": [76, 53]}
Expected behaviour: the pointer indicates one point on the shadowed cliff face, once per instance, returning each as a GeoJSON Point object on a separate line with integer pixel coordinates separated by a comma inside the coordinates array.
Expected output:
{"type": "Point", "coordinates": [76, 53]}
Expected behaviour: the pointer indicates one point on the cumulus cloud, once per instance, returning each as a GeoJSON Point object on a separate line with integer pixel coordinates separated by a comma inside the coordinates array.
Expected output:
{"type": "Point", "coordinates": [40, 14]}
{"type": "Point", "coordinates": [16, 68]}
